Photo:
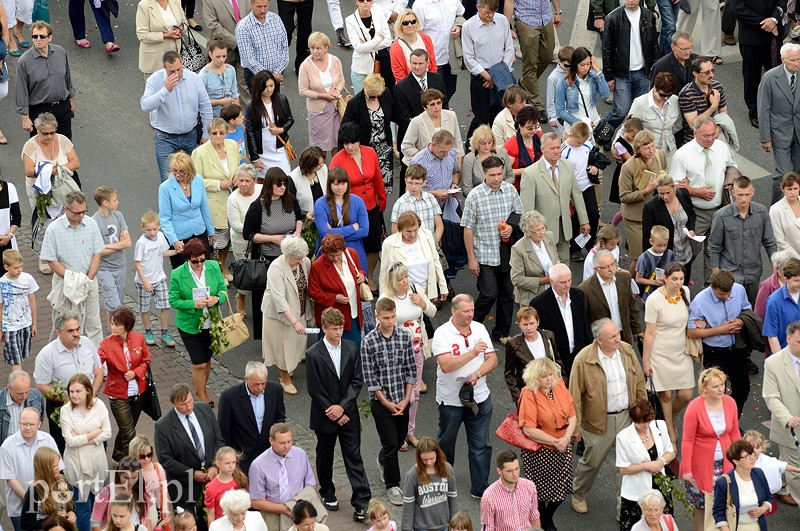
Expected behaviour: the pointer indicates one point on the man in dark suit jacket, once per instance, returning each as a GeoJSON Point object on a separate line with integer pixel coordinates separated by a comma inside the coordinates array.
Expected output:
{"type": "Point", "coordinates": [187, 438]}
{"type": "Point", "coordinates": [407, 104]}
{"type": "Point", "coordinates": [241, 428]}
{"type": "Point", "coordinates": [569, 341]}
{"type": "Point", "coordinates": [621, 306]}
{"type": "Point", "coordinates": [334, 381]}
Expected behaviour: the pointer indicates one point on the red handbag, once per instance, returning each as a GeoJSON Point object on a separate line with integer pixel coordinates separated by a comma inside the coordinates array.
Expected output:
{"type": "Point", "coordinates": [510, 432]}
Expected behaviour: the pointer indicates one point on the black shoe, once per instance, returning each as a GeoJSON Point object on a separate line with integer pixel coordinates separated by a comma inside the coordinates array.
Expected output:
{"type": "Point", "coordinates": [754, 121]}
{"type": "Point", "coordinates": [577, 256]}
{"type": "Point", "coordinates": [359, 515]}
{"type": "Point", "coordinates": [331, 503]}
{"type": "Point", "coordinates": [341, 39]}
{"type": "Point", "coordinates": [211, 404]}
{"type": "Point", "coordinates": [580, 447]}
{"type": "Point", "coordinates": [752, 368]}
{"type": "Point", "coordinates": [197, 27]}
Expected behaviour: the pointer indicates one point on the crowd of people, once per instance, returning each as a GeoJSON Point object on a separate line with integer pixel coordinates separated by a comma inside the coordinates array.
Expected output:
{"type": "Point", "coordinates": [605, 364]}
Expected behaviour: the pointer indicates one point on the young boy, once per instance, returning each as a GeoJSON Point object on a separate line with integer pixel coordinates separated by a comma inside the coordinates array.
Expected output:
{"type": "Point", "coordinates": [557, 76]}
{"type": "Point", "coordinates": [18, 313]}
{"type": "Point", "coordinates": [113, 266]}
{"type": "Point", "coordinates": [576, 149]}
{"type": "Point", "coordinates": [650, 265]}
{"type": "Point", "coordinates": [422, 203]}
{"type": "Point", "coordinates": [232, 114]}
{"type": "Point", "coordinates": [151, 280]}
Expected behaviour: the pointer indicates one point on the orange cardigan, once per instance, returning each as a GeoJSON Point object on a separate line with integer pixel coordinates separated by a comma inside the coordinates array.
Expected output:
{"type": "Point", "coordinates": [365, 182]}
{"type": "Point", "coordinates": [400, 67]}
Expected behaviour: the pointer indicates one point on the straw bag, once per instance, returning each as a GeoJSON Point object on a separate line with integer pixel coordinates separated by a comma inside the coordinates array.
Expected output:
{"type": "Point", "coordinates": [234, 328]}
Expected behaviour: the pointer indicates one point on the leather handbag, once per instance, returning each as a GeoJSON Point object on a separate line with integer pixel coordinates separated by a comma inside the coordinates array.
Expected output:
{"type": "Point", "coordinates": [287, 144]}
{"type": "Point", "coordinates": [191, 52]}
{"type": "Point", "coordinates": [603, 131]}
{"type": "Point", "coordinates": [655, 403]}
{"type": "Point", "coordinates": [363, 289]}
{"type": "Point", "coordinates": [510, 432]}
{"type": "Point", "coordinates": [234, 328]}
{"type": "Point", "coordinates": [250, 273]}
{"type": "Point", "coordinates": [150, 404]}
{"type": "Point", "coordinates": [730, 509]}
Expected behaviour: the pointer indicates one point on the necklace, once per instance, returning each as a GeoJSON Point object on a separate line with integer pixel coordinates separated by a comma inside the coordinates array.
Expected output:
{"type": "Point", "coordinates": [673, 300]}
{"type": "Point", "coordinates": [646, 436]}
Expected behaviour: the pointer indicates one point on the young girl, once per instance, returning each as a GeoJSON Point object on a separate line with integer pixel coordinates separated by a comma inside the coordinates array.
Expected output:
{"type": "Point", "coordinates": [379, 516]}
{"type": "Point", "coordinates": [121, 515]}
{"type": "Point", "coordinates": [155, 477]}
{"type": "Point", "coordinates": [127, 481]}
{"type": "Point", "coordinates": [49, 494]}
{"type": "Point", "coordinates": [183, 520]}
{"type": "Point", "coordinates": [460, 522]}
{"type": "Point", "coordinates": [229, 478]}
{"type": "Point", "coordinates": [607, 238]}
{"type": "Point", "coordinates": [425, 505]}
{"type": "Point", "coordinates": [773, 468]}
{"type": "Point", "coordinates": [622, 151]}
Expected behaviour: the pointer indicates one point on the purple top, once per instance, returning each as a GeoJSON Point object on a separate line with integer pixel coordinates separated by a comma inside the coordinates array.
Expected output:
{"type": "Point", "coordinates": [265, 471]}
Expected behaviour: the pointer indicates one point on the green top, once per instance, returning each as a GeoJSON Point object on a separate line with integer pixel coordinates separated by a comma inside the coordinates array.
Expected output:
{"type": "Point", "coordinates": [181, 284]}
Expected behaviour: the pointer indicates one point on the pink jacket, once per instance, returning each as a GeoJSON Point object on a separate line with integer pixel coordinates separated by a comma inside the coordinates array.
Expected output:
{"type": "Point", "coordinates": [310, 83]}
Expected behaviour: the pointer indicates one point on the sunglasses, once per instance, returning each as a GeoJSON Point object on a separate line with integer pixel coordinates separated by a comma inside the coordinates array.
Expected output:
{"type": "Point", "coordinates": [409, 22]}
{"type": "Point", "coordinates": [48, 133]}
{"type": "Point", "coordinates": [665, 95]}
{"type": "Point", "coordinates": [129, 464]}
{"type": "Point", "coordinates": [146, 456]}
{"type": "Point", "coordinates": [279, 184]}
{"type": "Point", "coordinates": [79, 213]}
{"type": "Point", "coordinates": [37, 37]}
{"type": "Point", "coordinates": [198, 260]}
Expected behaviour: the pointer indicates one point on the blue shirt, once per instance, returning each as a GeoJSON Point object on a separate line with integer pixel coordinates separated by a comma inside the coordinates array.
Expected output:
{"type": "Point", "coordinates": [707, 307]}
{"type": "Point", "coordinates": [257, 401]}
{"type": "Point", "coordinates": [533, 12]}
{"type": "Point", "coordinates": [176, 112]}
{"type": "Point", "coordinates": [263, 46]}
{"type": "Point", "coordinates": [183, 216]}
{"type": "Point", "coordinates": [781, 310]}
{"type": "Point", "coordinates": [220, 86]}
{"type": "Point", "coordinates": [440, 171]}
{"type": "Point", "coordinates": [238, 137]}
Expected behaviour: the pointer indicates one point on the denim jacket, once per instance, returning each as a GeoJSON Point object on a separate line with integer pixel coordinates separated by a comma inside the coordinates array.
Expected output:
{"type": "Point", "coordinates": [568, 98]}
{"type": "Point", "coordinates": [34, 400]}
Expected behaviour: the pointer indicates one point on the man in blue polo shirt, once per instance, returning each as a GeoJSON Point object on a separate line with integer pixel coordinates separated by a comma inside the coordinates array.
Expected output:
{"type": "Point", "coordinates": [783, 307]}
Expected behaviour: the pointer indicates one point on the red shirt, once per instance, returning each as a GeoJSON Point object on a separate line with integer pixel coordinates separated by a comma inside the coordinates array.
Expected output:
{"type": "Point", "coordinates": [214, 491]}
{"type": "Point", "coordinates": [512, 147]}
{"type": "Point", "coordinates": [365, 182]}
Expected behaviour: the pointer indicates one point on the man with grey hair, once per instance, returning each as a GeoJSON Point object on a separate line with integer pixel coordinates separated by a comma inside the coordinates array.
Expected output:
{"type": "Point", "coordinates": [67, 355]}
{"type": "Point", "coordinates": [779, 115]}
{"type": "Point", "coordinates": [606, 380]}
{"type": "Point", "coordinates": [71, 247]}
{"type": "Point", "coordinates": [679, 62]}
{"type": "Point", "coordinates": [247, 411]}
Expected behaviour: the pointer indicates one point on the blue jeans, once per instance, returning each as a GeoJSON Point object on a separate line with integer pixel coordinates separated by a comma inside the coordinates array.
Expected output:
{"type": "Point", "coordinates": [479, 450]}
{"type": "Point", "coordinates": [16, 521]}
{"type": "Point", "coordinates": [626, 89]}
{"type": "Point", "coordinates": [167, 144]}
{"type": "Point", "coordinates": [83, 510]}
{"type": "Point", "coordinates": [669, 19]}
{"type": "Point", "coordinates": [78, 20]}
{"type": "Point", "coordinates": [358, 81]}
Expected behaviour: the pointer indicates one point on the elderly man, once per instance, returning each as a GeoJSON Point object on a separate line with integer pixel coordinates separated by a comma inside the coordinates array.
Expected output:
{"type": "Point", "coordinates": [779, 115]}
{"type": "Point", "coordinates": [465, 356]}
{"type": "Point", "coordinates": [548, 186]}
{"type": "Point", "coordinates": [187, 438]}
{"type": "Point", "coordinates": [562, 310]}
{"type": "Point", "coordinates": [67, 355]}
{"type": "Point", "coordinates": [606, 380]}
{"type": "Point", "coordinates": [781, 393]}
{"type": "Point", "coordinates": [263, 43]}
{"type": "Point", "coordinates": [679, 62]}
{"type": "Point", "coordinates": [248, 410]}
{"type": "Point", "coordinates": [705, 182]}
{"type": "Point", "coordinates": [222, 17]}
{"type": "Point", "coordinates": [280, 477]}
{"type": "Point", "coordinates": [44, 82]}
{"type": "Point", "coordinates": [174, 97]}
{"type": "Point", "coordinates": [16, 459]}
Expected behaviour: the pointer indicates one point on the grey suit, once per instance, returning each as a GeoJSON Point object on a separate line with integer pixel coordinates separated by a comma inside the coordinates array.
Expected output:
{"type": "Point", "coordinates": [222, 23]}
{"type": "Point", "coordinates": [537, 191]}
{"type": "Point", "coordinates": [779, 123]}
{"type": "Point", "coordinates": [781, 393]}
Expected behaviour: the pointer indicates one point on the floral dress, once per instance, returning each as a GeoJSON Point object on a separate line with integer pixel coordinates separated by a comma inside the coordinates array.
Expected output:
{"type": "Point", "coordinates": [382, 147]}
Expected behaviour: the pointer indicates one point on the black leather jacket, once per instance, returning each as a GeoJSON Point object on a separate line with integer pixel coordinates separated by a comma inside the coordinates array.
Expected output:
{"type": "Point", "coordinates": [253, 127]}
{"type": "Point", "coordinates": [617, 41]}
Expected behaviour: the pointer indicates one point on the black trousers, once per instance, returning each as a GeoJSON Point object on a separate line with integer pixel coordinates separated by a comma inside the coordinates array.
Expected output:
{"type": "Point", "coordinates": [450, 82]}
{"type": "Point", "coordinates": [756, 59]}
{"type": "Point", "coordinates": [495, 285]}
{"type": "Point", "coordinates": [59, 109]}
{"type": "Point", "coordinates": [592, 210]}
{"type": "Point", "coordinates": [304, 11]}
{"type": "Point", "coordinates": [54, 427]}
{"type": "Point", "coordinates": [188, 7]}
{"type": "Point", "coordinates": [483, 112]}
{"type": "Point", "coordinates": [732, 363]}
{"type": "Point", "coordinates": [350, 443]}
{"type": "Point", "coordinates": [392, 431]}
{"type": "Point", "coordinates": [728, 22]}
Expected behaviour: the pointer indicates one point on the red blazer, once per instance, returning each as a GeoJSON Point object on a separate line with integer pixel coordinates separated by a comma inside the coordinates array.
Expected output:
{"type": "Point", "coordinates": [400, 67]}
{"type": "Point", "coordinates": [112, 353]}
{"type": "Point", "coordinates": [324, 284]}
{"type": "Point", "coordinates": [699, 440]}
{"type": "Point", "coordinates": [368, 185]}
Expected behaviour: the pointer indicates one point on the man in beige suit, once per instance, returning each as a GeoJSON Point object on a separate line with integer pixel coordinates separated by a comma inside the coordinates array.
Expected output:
{"type": "Point", "coordinates": [548, 185]}
{"type": "Point", "coordinates": [781, 392]}
{"type": "Point", "coordinates": [222, 16]}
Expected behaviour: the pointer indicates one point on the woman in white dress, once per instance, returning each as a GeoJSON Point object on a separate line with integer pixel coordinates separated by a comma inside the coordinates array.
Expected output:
{"type": "Point", "coordinates": [268, 119]}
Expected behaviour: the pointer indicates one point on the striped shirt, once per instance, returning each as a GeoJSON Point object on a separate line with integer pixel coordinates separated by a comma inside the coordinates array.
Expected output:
{"type": "Point", "coordinates": [533, 12]}
{"type": "Point", "coordinates": [484, 209]}
{"type": "Point", "coordinates": [388, 363]}
{"type": "Point", "coordinates": [692, 99]}
{"type": "Point", "coordinates": [427, 208]}
{"type": "Point", "coordinates": [263, 46]}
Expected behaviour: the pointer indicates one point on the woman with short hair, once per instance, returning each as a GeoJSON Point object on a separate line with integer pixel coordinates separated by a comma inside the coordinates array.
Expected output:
{"type": "Point", "coordinates": [504, 126]}
{"type": "Point", "coordinates": [235, 505]}
{"type": "Point", "coordinates": [369, 33]}
{"type": "Point", "coordinates": [785, 213]}
{"type": "Point", "coordinates": [651, 503]}
{"type": "Point", "coordinates": [747, 488]}
{"type": "Point", "coordinates": [660, 112]}
{"type": "Point", "coordinates": [525, 147]}
{"type": "Point", "coordinates": [321, 81]}
{"type": "Point", "coordinates": [433, 118]}
{"type": "Point", "coordinates": [482, 144]}
{"type": "Point", "coordinates": [671, 208]}
{"type": "Point", "coordinates": [531, 344]}
{"type": "Point", "coordinates": [532, 257]}
{"type": "Point", "coordinates": [247, 191]}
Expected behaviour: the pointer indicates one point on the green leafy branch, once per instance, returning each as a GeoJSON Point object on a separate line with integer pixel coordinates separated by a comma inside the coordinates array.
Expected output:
{"type": "Point", "coordinates": [218, 337]}
{"type": "Point", "coordinates": [672, 490]}
{"type": "Point", "coordinates": [57, 394]}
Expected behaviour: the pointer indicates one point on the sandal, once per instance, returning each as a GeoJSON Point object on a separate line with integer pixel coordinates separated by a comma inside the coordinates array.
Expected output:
{"type": "Point", "coordinates": [412, 440]}
{"type": "Point", "coordinates": [3, 139]}
{"type": "Point", "coordinates": [403, 447]}
{"type": "Point", "coordinates": [25, 43]}
{"type": "Point", "coordinates": [112, 48]}
{"type": "Point", "coordinates": [45, 269]}
{"type": "Point", "coordinates": [83, 43]}
{"type": "Point", "coordinates": [717, 60]}
{"type": "Point", "coordinates": [15, 53]}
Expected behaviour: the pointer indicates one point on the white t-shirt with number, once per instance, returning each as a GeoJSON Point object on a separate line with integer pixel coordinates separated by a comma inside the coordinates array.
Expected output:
{"type": "Point", "coordinates": [448, 340]}
{"type": "Point", "coordinates": [16, 306]}
{"type": "Point", "coordinates": [151, 254]}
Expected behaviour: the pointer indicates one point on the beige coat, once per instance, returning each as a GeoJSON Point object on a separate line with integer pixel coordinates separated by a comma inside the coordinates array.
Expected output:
{"type": "Point", "coordinates": [421, 130]}
{"type": "Point", "coordinates": [210, 168]}
{"type": "Point", "coordinates": [781, 394]}
{"type": "Point", "coordinates": [282, 295]}
{"type": "Point", "coordinates": [218, 15]}
{"type": "Point", "coordinates": [310, 83]}
{"type": "Point", "coordinates": [526, 269]}
{"type": "Point", "coordinates": [150, 28]}
{"type": "Point", "coordinates": [84, 461]}
{"type": "Point", "coordinates": [785, 226]}
{"type": "Point", "coordinates": [392, 252]}
{"type": "Point", "coordinates": [537, 191]}
{"type": "Point", "coordinates": [631, 197]}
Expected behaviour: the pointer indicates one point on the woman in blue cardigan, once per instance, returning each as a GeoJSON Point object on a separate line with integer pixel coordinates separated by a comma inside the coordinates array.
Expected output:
{"type": "Point", "coordinates": [350, 219]}
{"type": "Point", "coordinates": [183, 207]}
{"type": "Point", "coordinates": [576, 96]}
{"type": "Point", "coordinates": [748, 488]}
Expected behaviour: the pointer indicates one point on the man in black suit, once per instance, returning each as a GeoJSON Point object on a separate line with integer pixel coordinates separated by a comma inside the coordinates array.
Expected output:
{"type": "Point", "coordinates": [187, 438]}
{"type": "Point", "coordinates": [407, 104]}
{"type": "Point", "coordinates": [561, 302]}
{"type": "Point", "coordinates": [248, 410]}
{"type": "Point", "coordinates": [334, 378]}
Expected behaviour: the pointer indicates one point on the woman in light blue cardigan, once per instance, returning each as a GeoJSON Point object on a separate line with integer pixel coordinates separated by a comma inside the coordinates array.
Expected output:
{"type": "Point", "coordinates": [571, 105]}
{"type": "Point", "coordinates": [183, 207]}
{"type": "Point", "coordinates": [351, 221]}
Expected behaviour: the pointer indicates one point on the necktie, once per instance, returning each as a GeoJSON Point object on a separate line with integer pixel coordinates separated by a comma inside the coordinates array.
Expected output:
{"type": "Point", "coordinates": [555, 178]}
{"type": "Point", "coordinates": [708, 168]}
{"type": "Point", "coordinates": [198, 447]}
{"type": "Point", "coordinates": [283, 479]}
{"type": "Point", "coordinates": [792, 83]}
{"type": "Point", "coordinates": [424, 85]}
{"type": "Point", "coordinates": [235, 5]}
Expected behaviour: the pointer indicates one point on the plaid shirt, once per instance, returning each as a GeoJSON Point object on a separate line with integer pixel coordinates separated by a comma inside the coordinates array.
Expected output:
{"type": "Point", "coordinates": [426, 208]}
{"type": "Point", "coordinates": [388, 363]}
{"type": "Point", "coordinates": [509, 510]}
{"type": "Point", "coordinates": [262, 46]}
{"type": "Point", "coordinates": [440, 171]}
{"type": "Point", "coordinates": [533, 12]}
{"type": "Point", "coordinates": [483, 211]}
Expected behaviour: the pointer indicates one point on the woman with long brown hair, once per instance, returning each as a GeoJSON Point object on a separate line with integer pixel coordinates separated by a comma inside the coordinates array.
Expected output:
{"type": "Point", "coordinates": [571, 102]}
{"type": "Point", "coordinates": [268, 119]}
{"type": "Point", "coordinates": [424, 484]}
{"type": "Point", "coordinates": [49, 494]}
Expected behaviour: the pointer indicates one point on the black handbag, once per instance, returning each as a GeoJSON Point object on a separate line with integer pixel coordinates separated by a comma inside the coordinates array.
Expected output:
{"type": "Point", "coordinates": [150, 404]}
{"type": "Point", "coordinates": [603, 131]}
{"type": "Point", "coordinates": [655, 403]}
{"type": "Point", "coordinates": [599, 160]}
{"type": "Point", "coordinates": [250, 273]}
{"type": "Point", "coordinates": [192, 55]}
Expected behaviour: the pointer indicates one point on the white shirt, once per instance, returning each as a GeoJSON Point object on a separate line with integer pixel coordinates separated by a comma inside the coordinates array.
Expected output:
{"type": "Point", "coordinates": [349, 285]}
{"type": "Point", "coordinates": [150, 253]}
{"type": "Point", "coordinates": [537, 348]}
{"type": "Point", "coordinates": [541, 254]}
{"type": "Point", "coordinates": [566, 316]}
{"type": "Point", "coordinates": [448, 340]}
{"type": "Point", "coordinates": [773, 469]}
{"type": "Point", "coordinates": [616, 382]}
{"type": "Point", "coordinates": [436, 18]}
{"type": "Point", "coordinates": [16, 462]}
{"type": "Point", "coordinates": [689, 162]}
{"type": "Point", "coordinates": [335, 354]}
{"type": "Point", "coordinates": [748, 499]}
{"type": "Point", "coordinates": [416, 263]}
{"type": "Point", "coordinates": [185, 420]}
{"type": "Point", "coordinates": [610, 291]}
{"type": "Point", "coordinates": [636, 54]}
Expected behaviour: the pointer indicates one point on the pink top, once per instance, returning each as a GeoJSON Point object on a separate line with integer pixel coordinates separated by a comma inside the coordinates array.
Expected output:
{"type": "Point", "coordinates": [213, 494]}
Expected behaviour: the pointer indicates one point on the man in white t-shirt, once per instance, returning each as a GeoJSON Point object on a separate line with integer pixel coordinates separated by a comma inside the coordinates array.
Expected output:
{"type": "Point", "coordinates": [464, 352]}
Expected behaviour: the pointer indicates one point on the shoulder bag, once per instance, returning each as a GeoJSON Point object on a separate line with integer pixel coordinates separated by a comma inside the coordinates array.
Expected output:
{"type": "Point", "coordinates": [250, 273]}
{"type": "Point", "coordinates": [730, 509]}
{"type": "Point", "coordinates": [363, 288]}
{"type": "Point", "coordinates": [511, 432]}
{"type": "Point", "coordinates": [290, 154]}
{"type": "Point", "coordinates": [150, 404]}
{"type": "Point", "coordinates": [191, 52]}
{"type": "Point", "coordinates": [603, 131]}
{"type": "Point", "coordinates": [234, 329]}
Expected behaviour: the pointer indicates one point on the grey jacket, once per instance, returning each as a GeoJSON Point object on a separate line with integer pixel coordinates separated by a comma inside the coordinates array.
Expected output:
{"type": "Point", "coordinates": [778, 109]}
{"type": "Point", "coordinates": [34, 400]}
{"type": "Point", "coordinates": [734, 244]}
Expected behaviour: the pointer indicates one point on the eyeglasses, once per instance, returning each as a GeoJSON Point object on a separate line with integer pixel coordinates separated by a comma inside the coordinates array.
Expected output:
{"type": "Point", "coordinates": [685, 48]}
{"type": "Point", "coordinates": [219, 133]}
{"type": "Point", "coordinates": [279, 184]}
{"type": "Point", "coordinates": [707, 72]}
{"type": "Point", "coordinates": [37, 37]}
{"type": "Point", "coordinates": [409, 22]}
{"type": "Point", "coordinates": [363, 1]}
{"type": "Point", "coordinates": [79, 213]}
{"type": "Point", "coordinates": [371, 98]}
{"type": "Point", "coordinates": [435, 103]}
{"type": "Point", "coordinates": [540, 230]}
{"type": "Point", "coordinates": [608, 267]}
{"type": "Point", "coordinates": [146, 456]}
{"type": "Point", "coordinates": [197, 260]}
{"type": "Point", "coordinates": [177, 173]}
{"type": "Point", "coordinates": [530, 126]}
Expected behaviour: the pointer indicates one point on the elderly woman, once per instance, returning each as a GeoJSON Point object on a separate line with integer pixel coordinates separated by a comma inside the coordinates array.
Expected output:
{"type": "Point", "coordinates": [652, 504]}
{"type": "Point", "coordinates": [504, 126]}
{"type": "Point", "coordinates": [671, 208]}
{"type": "Point", "coordinates": [219, 77]}
{"type": "Point", "coordinates": [194, 288]}
{"type": "Point", "coordinates": [320, 81]}
{"type": "Point", "coordinates": [216, 162]}
{"type": "Point", "coordinates": [710, 425]}
{"type": "Point", "coordinates": [771, 284]}
{"type": "Point", "coordinates": [235, 505]}
{"type": "Point", "coordinates": [339, 212]}
{"type": "Point", "coordinates": [183, 207]}
{"type": "Point", "coordinates": [432, 119]}
{"type": "Point", "coordinates": [334, 281]}
{"type": "Point", "coordinates": [576, 96]}
{"type": "Point", "coordinates": [644, 449]}
{"type": "Point", "coordinates": [747, 487]}
{"type": "Point", "coordinates": [371, 110]}
{"type": "Point", "coordinates": [267, 119]}
{"type": "Point", "coordinates": [286, 308]}
{"type": "Point", "coordinates": [660, 113]}
{"type": "Point", "coordinates": [309, 180]}
{"type": "Point", "coordinates": [531, 344]}
{"type": "Point", "coordinates": [637, 181]}
{"type": "Point", "coordinates": [362, 166]}
{"type": "Point", "coordinates": [547, 416]}
{"type": "Point", "coordinates": [47, 146]}
{"type": "Point", "coordinates": [246, 192]}
{"type": "Point", "coordinates": [532, 257]}
{"type": "Point", "coordinates": [159, 25]}
{"type": "Point", "coordinates": [369, 33]}
{"type": "Point", "coordinates": [525, 147]}
{"type": "Point", "coordinates": [785, 214]}
{"type": "Point", "coordinates": [304, 516]}
{"type": "Point", "coordinates": [482, 145]}
{"type": "Point", "coordinates": [267, 222]}
{"type": "Point", "coordinates": [409, 38]}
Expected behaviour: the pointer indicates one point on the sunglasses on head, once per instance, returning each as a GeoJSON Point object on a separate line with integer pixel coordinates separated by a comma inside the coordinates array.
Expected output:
{"type": "Point", "coordinates": [129, 464]}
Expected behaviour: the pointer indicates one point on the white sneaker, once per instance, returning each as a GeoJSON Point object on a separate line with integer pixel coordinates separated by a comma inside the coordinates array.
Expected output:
{"type": "Point", "coordinates": [380, 467]}
{"type": "Point", "coordinates": [395, 496]}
